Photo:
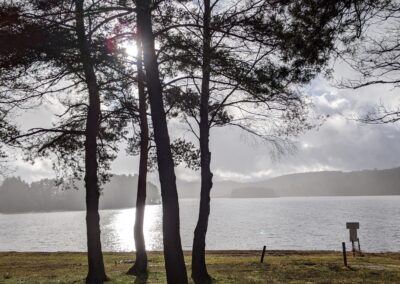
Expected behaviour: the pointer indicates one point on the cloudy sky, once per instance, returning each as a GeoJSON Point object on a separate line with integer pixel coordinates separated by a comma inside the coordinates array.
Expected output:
{"type": "Point", "coordinates": [341, 143]}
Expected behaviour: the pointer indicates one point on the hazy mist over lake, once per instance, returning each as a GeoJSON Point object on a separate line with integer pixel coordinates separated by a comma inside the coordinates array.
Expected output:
{"type": "Point", "coordinates": [120, 192]}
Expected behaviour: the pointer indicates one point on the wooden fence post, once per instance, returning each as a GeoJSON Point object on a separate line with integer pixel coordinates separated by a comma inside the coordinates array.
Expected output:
{"type": "Point", "coordinates": [344, 254]}
{"type": "Point", "coordinates": [359, 247]}
{"type": "Point", "coordinates": [263, 253]}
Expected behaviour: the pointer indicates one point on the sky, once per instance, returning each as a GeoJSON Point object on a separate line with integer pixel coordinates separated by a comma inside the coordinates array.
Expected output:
{"type": "Point", "coordinates": [341, 144]}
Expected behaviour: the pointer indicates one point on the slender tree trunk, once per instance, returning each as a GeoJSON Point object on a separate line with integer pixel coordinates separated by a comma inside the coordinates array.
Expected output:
{"type": "Point", "coordinates": [199, 268]}
{"type": "Point", "coordinates": [96, 273]}
{"type": "Point", "coordinates": [173, 254]}
{"type": "Point", "coordinates": [140, 266]}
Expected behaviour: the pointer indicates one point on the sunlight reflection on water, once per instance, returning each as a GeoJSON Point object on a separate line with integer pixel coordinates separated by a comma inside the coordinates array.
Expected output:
{"type": "Point", "coordinates": [119, 227]}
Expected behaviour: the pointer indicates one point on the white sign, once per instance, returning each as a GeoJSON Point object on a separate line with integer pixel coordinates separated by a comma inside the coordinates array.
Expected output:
{"type": "Point", "coordinates": [353, 226]}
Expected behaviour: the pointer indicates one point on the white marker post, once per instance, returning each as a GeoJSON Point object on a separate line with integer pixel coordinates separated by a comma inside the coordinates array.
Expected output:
{"type": "Point", "coordinates": [353, 226]}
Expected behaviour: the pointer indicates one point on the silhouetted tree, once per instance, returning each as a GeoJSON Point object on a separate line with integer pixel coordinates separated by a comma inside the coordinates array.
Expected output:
{"type": "Point", "coordinates": [67, 139]}
{"type": "Point", "coordinates": [7, 130]}
{"type": "Point", "coordinates": [96, 273]}
{"type": "Point", "coordinates": [375, 57]}
{"type": "Point", "coordinates": [62, 41]}
{"type": "Point", "coordinates": [242, 64]}
{"type": "Point", "coordinates": [173, 254]}
{"type": "Point", "coordinates": [142, 143]}
{"type": "Point", "coordinates": [140, 265]}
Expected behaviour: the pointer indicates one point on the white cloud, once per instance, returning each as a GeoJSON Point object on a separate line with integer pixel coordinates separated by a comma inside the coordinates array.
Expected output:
{"type": "Point", "coordinates": [341, 143]}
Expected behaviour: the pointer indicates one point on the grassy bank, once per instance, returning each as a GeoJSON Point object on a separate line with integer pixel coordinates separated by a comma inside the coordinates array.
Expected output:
{"type": "Point", "coordinates": [225, 267]}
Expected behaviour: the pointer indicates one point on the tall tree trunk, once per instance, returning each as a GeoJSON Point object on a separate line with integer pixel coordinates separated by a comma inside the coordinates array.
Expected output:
{"type": "Point", "coordinates": [199, 268]}
{"type": "Point", "coordinates": [96, 273]}
{"type": "Point", "coordinates": [140, 266]}
{"type": "Point", "coordinates": [173, 254]}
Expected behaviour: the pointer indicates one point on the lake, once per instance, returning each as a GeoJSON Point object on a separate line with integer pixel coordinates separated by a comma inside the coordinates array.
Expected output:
{"type": "Point", "coordinates": [303, 223]}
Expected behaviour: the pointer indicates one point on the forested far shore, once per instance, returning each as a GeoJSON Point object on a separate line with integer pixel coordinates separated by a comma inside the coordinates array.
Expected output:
{"type": "Point", "coordinates": [17, 196]}
{"type": "Point", "coordinates": [325, 183]}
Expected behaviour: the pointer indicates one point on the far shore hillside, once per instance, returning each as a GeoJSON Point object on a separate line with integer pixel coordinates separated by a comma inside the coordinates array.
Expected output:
{"type": "Point", "coordinates": [326, 183]}
{"type": "Point", "coordinates": [120, 192]}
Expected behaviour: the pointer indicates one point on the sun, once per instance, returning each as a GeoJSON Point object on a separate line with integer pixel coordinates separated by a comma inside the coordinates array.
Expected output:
{"type": "Point", "coordinates": [130, 48]}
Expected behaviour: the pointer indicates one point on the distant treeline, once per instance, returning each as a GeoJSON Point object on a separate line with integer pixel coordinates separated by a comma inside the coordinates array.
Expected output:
{"type": "Point", "coordinates": [358, 183]}
{"type": "Point", "coordinates": [120, 192]}
{"type": "Point", "coordinates": [327, 183]}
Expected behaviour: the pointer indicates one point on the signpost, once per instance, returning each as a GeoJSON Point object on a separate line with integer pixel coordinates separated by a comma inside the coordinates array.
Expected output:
{"type": "Point", "coordinates": [353, 227]}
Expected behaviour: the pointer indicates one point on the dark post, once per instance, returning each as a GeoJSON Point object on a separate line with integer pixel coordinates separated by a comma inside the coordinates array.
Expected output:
{"type": "Point", "coordinates": [359, 247]}
{"type": "Point", "coordinates": [353, 248]}
{"type": "Point", "coordinates": [263, 253]}
{"type": "Point", "coordinates": [344, 254]}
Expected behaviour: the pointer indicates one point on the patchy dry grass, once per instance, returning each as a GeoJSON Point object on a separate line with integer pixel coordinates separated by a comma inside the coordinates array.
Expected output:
{"type": "Point", "coordinates": [224, 266]}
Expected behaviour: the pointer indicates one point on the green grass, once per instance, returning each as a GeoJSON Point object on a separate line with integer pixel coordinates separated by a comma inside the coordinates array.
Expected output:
{"type": "Point", "coordinates": [225, 267]}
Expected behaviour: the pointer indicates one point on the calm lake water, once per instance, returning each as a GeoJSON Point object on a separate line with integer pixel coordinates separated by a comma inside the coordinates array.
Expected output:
{"type": "Point", "coordinates": [279, 223]}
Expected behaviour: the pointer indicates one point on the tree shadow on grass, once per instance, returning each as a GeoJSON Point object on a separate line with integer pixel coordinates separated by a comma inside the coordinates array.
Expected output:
{"type": "Point", "coordinates": [141, 279]}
